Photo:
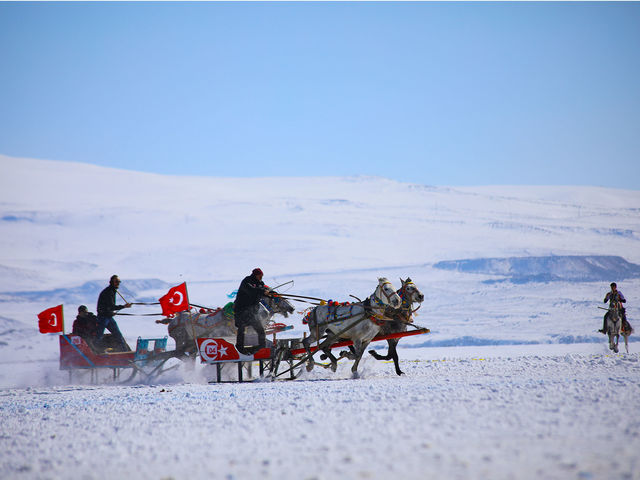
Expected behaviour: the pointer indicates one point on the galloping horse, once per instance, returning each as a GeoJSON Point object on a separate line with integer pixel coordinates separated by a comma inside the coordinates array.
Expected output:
{"type": "Point", "coordinates": [356, 322]}
{"type": "Point", "coordinates": [185, 327]}
{"type": "Point", "coordinates": [614, 324]}
{"type": "Point", "coordinates": [398, 320]}
{"type": "Point", "coordinates": [619, 326]}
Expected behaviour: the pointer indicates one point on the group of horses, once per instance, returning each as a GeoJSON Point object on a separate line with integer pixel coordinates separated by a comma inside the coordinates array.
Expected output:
{"type": "Point", "coordinates": [385, 311]}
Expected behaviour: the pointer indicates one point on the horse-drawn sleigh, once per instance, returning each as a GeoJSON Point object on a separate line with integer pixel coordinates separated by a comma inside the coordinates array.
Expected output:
{"type": "Point", "coordinates": [384, 315]}
{"type": "Point", "coordinates": [210, 334]}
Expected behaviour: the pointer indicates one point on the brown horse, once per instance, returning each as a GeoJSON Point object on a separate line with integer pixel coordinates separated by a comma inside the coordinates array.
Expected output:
{"type": "Point", "coordinates": [398, 319]}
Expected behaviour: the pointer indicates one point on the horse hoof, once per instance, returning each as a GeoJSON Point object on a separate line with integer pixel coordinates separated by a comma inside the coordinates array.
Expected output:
{"type": "Point", "coordinates": [309, 367]}
{"type": "Point", "coordinates": [355, 374]}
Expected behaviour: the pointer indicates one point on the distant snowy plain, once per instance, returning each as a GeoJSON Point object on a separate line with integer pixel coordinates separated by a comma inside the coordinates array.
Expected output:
{"type": "Point", "coordinates": [512, 382]}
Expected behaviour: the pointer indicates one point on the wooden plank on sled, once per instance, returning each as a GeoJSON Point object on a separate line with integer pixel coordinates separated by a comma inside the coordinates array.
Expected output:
{"type": "Point", "coordinates": [346, 343]}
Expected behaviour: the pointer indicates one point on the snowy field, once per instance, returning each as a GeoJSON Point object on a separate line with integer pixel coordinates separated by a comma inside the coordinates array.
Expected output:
{"type": "Point", "coordinates": [512, 382]}
{"type": "Point", "coordinates": [560, 416]}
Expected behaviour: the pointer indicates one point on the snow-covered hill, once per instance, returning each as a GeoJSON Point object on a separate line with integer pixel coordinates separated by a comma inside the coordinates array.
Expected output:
{"type": "Point", "coordinates": [65, 228]}
{"type": "Point", "coordinates": [512, 382]}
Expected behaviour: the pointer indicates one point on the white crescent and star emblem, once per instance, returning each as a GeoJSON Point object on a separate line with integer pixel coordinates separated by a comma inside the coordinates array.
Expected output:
{"type": "Point", "coordinates": [53, 321]}
{"type": "Point", "coordinates": [212, 350]}
{"type": "Point", "coordinates": [173, 300]}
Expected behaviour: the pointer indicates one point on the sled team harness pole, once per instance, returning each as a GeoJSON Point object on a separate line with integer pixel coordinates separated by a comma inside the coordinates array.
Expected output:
{"type": "Point", "coordinates": [140, 314]}
{"type": "Point", "coordinates": [282, 285]}
{"type": "Point", "coordinates": [125, 300]}
{"type": "Point", "coordinates": [301, 296]}
{"type": "Point", "coordinates": [135, 303]}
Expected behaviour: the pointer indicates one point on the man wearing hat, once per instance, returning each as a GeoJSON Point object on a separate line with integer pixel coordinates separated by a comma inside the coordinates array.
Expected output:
{"type": "Point", "coordinates": [246, 309]}
{"type": "Point", "coordinates": [615, 296]}
{"type": "Point", "coordinates": [85, 325]}
{"type": "Point", "coordinates": [107, 308]}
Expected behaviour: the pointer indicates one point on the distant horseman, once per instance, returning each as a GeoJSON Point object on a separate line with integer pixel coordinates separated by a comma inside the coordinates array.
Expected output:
{"type": "Point", "coordinates": [614, 296]}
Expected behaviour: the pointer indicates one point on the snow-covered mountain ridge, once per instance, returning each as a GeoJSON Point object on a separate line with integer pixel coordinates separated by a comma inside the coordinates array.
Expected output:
{"type": "Point", "coordinates": [67, 227]}
{"type": "Point", "coordinates": [573, 268]}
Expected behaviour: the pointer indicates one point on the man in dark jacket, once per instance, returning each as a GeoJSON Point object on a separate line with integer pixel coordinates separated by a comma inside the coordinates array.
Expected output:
{"type": "Point", "coordinates": [246, 310]}
{"type": "Point", "coordinates": [85, 325]}
{"type": "Point", "coordinates": [615, 296]}
{"type": "Point", "coordinates": [106, 310]}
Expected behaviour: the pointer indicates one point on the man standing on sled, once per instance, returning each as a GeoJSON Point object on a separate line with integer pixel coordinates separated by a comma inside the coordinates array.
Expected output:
{"type": "Point", "coordinates": [246, 310]}
{"type": "Point", "coordinates": [107, 308]}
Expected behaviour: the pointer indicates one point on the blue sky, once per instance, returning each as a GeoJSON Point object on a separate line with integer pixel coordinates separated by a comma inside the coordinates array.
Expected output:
{"type": "Point", "coordinates": [432, 93]}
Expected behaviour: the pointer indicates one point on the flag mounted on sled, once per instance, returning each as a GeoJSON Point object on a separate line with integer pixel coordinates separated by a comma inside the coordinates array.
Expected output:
{"type": "Point", "coordinates": [51, 320]}
{"type": "Point", "coordinates": [176, 300]}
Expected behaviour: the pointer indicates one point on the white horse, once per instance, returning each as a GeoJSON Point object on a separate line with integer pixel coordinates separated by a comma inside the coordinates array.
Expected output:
{"type": "Point", "coordinates": [618, 326]}
{"type": "Point", "coordinates": [356, 322]}
{"type": "Point", "coordinates": [398, 319]}
{"type": "Point", "coordinates": [614, 324]}
{"type": "Point", "coordinates": [185, 327]}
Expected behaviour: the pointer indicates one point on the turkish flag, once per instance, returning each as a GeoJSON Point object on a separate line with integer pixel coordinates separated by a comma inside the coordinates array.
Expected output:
{"type": "Point", "coordinates": [176, 300]}
{"type": "Point", "coordinates": [51, 320]}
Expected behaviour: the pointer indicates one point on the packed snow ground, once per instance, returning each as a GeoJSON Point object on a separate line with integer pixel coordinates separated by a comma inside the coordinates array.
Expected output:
{"type": "Point", "coordinates": [501, 417]}
{"type": "Point", "coordinates": [512, 382]}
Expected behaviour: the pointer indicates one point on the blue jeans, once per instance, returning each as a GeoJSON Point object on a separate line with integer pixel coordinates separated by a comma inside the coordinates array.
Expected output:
{"type": "Point", "coordinates": [110, 324]}
{"type": "Point", "coordinates": [247, 318]}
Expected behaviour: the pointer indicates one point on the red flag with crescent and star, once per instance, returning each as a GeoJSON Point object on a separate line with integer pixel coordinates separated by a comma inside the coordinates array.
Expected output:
{"type": "Point", "coordinates": [51, 320]}
{"type": "Point", "coordinates": [176, 300]}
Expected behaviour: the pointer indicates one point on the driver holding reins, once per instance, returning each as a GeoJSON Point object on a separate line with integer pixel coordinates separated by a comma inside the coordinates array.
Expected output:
{"type": "Point", "coordinates": [613, 297]}
{"type": "Point", "coordinates": [246, 305]}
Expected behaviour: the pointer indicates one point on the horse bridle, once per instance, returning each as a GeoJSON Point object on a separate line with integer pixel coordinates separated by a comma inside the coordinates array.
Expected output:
{"type": "Point", "coordinates": [388, 297]}
{"type": "Point", "coordinates": [406, 303]}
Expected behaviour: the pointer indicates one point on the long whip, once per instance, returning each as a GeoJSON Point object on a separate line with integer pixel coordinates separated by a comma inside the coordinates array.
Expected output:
{"type": "Point", "coordinates": [125, 300]}
{"type": "Point", "coordinates": [302, 296]}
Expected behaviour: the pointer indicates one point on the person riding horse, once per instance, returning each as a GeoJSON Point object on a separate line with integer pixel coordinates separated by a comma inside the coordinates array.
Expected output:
{"type": "Point", "coordinates": [246, 305]}
{"type": "Point", "coordinates": [615, 297]}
